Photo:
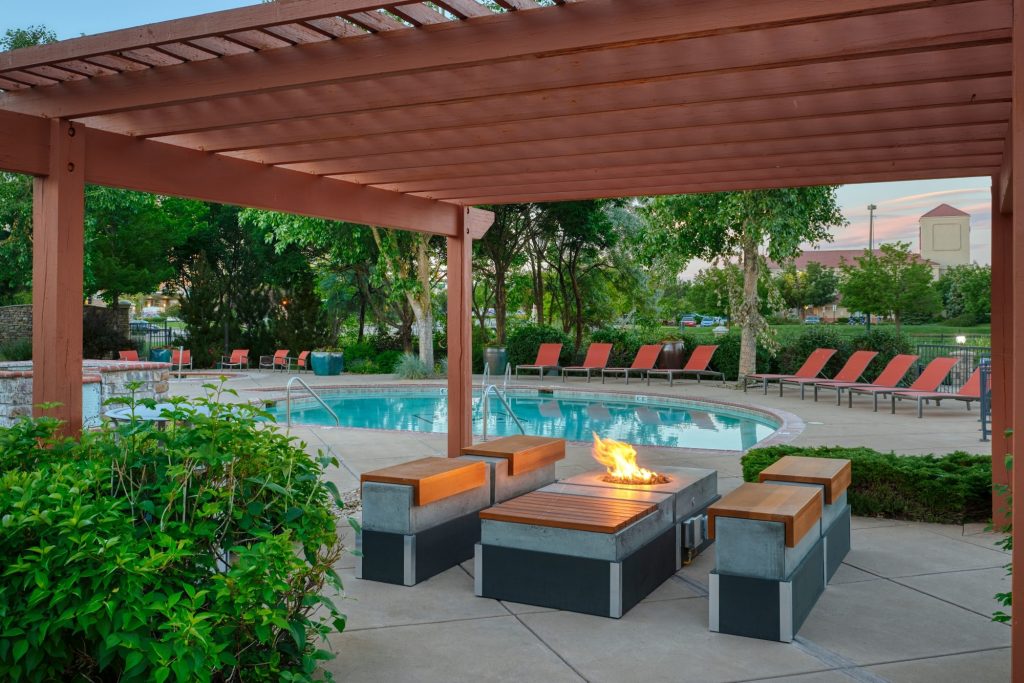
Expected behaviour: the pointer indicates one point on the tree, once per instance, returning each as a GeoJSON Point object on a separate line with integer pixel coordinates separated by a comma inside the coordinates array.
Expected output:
{"type": "Point", "coordinates": [499, 252]}
{"type": "Point", "coordinates": [813, 286]}
{"type": "Point", "coordinates": [966, 293]}
{"type": "Point", "coordinates": [738, 225]}
{"type": "Point", "coordinates": [16, 38]}
{"type": "Point", "coordinates": [897, 283]}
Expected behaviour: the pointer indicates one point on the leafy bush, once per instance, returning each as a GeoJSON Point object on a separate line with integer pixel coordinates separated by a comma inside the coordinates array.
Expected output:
{"type": "Point", "coordinates": [102, 340]}
{"type": "Point", "coordinates": [727, 358]}
{"type": "Point", "coordinates": [197, 553]}
{"type": "Point", "coordinates": [363, 366]}
{"type": "Point", "coordinates": [887, 341]}
{"type": "Point", "coordinates": [386, 361]}
{"type": "Point", "coordinates": [20, 349]}
{"type": "Point", "coordinates": [793, 353]}
{"type": "Point", "coordinates": [523, 343]}
{"type": "Point", "coordinates": [951, 489]}
{"type": "Point", "coordinates": [411, 367]}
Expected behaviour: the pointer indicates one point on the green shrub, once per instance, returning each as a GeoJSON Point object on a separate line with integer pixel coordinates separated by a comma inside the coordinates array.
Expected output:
{"type": "Point", "coordinates": [793, 353]}
{"type": "Point", "coordinates": [196, 553]}
{"type": "Point", "coordinates": [386, 361]}
{"type": "Point", "coordinates": [951, 489]}
{"type": "Point", "coordinates": [727, 358]}
{"type": "Point", "coordinates": [411, 367]}
{"type": "Point", "coordinates": [20, 349]}
{"type": "Point", "coordinates": [524, 341]}
{"type": "Point", "coordinates": [887, 341]}
{"type": "Point", "coordinates": [363, 366]}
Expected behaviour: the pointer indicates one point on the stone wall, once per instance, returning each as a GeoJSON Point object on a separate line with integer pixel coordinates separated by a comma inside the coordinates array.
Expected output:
{"type": "Point", "coordinates": [112, 378]}
{"type": "Point", "coordinates": [16, 321]}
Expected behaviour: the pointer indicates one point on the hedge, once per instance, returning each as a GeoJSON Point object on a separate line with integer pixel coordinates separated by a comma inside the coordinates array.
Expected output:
{"type": "Point", "coordinates": [524, 341]}
{"type": "Point", "coordinates": [950, 489]}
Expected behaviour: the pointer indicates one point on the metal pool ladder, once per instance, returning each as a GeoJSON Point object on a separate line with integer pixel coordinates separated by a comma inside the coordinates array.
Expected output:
{"type": "Point", "coordinates": [288, 401]}
{"type": "Point", "coordinates": [492, 389]}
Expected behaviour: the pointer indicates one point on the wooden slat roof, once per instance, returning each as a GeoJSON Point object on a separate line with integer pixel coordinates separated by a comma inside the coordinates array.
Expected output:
{"type": "Point", "coordinates": [475, 102]}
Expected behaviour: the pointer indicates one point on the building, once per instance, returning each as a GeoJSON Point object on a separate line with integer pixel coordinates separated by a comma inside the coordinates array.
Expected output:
{"type": "Point", "coordinates": [944, 241]}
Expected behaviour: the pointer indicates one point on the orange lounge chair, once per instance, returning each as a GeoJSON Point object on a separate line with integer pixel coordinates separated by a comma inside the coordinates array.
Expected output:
{"type": "Point", "coordinates": [855, 366]}
{"type": "Point", "coordinates": [128, 355]}
{"type": "Point", "coordinates": [696, 365]}
{"type": "Point", "coordinates": [811, 368]}
{"type": "Point", "coordinates": [597, 358]}
{"type": "Point", "coordinates": [181, 359]}
{"type": "Point", "coordinates": [969, 392]}
{"type": "Point", "coordinates": [890, 376]}
{"type": "Point", "coordinates": [928, 381]}
{"type": "Point", "coordinates": [644, 362]}
{"type": "Point", "coordinates": [237, 359]}
{"type": "Point", "coordinates": [279, 360]}
{"type": "Point", "coordinates": [302, 362]}
{"type": "Point", "coordinates": [547, 357]}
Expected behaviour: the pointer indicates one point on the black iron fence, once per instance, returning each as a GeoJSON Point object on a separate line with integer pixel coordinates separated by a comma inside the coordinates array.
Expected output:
{"type": "Point", "coordinates": [970, 358]}
{"type": "Point", "coordinates": [146, 335]}
{"type": "Point", "coordinates": [986, 398]}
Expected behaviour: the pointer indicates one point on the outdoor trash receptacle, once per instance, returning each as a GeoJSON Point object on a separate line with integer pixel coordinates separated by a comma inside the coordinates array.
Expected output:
{"type": "Point", "coordinates": [327, 363]}
{"type": "Point", "coordinates": [160, 355]}
{"type": "Point", "coordinates": [496, 357]}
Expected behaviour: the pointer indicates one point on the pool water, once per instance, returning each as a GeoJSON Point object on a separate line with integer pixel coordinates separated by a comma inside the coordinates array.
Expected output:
{"type": "Point", "coordinates": [641, 420]}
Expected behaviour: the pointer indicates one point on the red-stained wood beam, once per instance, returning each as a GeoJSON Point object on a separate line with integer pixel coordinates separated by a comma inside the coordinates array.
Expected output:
{"type": "Point", "coordinates": [460, 339]}
{"type": "Point", "coordinates": [1005, 179]}
{"type": "Point", "coordinates": [1017, 420]}
{"type": "Point", "coordinates": [1002, 358]}
{"type": "Point", "coordinates": [781, 180]}
{"type": "Point", "coordinates": [58, 252]}
{"type": "Point", "coordinates": [582, 146]}
{"type": "Point", "coordinates": [181, 30]}
{"type": "Point", "coordinates": [810, 169]}
{"type": "Point", "coordinates": [121, 161]}
{"type": "Point", "coordinates": [595, 25]}
{"type": "Point", "coordinates": [805, 158]}
{"type": "Point", "coordinates": [817, 79]}
{"type": "Point", "coordinates": [570, 124]}
{"type": "Point", "coordinates": [24, 144]}
{"type": "Point", "coordinates": [701, 149]}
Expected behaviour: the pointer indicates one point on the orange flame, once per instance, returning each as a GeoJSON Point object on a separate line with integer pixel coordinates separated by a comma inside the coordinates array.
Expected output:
{"type": "Point", "coordinates": [620, 460]}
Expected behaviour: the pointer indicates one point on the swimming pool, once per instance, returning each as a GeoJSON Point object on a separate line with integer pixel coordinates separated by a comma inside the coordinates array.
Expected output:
{"type": "Point", "coordinates": [642, 420]}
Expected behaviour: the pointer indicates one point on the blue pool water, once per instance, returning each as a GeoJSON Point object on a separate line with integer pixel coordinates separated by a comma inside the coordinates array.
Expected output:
{"type": "Point", "coordinates": [640, 420]}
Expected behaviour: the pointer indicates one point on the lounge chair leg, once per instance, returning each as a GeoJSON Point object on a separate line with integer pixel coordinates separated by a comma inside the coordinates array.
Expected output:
{"type": "Point", "coordinates": [780, 388]}
{"type": "Point", "coordinates": [893, 411]}
{"type": "Point", "coordinates": [627, 377]}
{"type": "Point", "coordinates": [920, 408]}
{"type": "Point", "coordinates": [744, 385]}
{"type": "Point", "coordinates": [802, 388]}
{"type": "Point", "coordinates": [875, 396]}
{"type": "Point", "coordinates": [849, 398]}
{"type": "Point", "coordinates": [765, 384]}
{"type": "Point", "coordinates": [815, 393]}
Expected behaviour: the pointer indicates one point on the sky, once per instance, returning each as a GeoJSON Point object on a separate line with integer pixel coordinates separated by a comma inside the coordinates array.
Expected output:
{"type": "Point", "coordinates": [899, 204]}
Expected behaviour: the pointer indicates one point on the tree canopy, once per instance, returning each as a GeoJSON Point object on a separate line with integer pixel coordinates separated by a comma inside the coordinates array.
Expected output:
{"type": "Point", "coordinates": [897, 283]}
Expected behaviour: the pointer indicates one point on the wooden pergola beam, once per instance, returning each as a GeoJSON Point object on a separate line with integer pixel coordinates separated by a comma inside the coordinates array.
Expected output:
{"type": "Point", "coordinates": [24, 144]}
{"type": "Point", "coordinates": [622, 119]}
{"type": "Point", "coordinates": [493, 40]}
{"type": "Point", "coordinates": [780, 180]}
{"type": "Point", "coordinates": [1004, 189]}
{"type": "Point", "coordinates": [581, 147]}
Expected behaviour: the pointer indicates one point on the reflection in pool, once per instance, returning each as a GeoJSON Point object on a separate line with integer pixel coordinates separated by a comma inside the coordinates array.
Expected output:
{"type": "Point", "coordinates": [640, 420]}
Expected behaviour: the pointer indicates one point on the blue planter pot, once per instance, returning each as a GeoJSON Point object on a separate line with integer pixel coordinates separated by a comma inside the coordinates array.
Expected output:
{"type": "Point", "coordinates": [326, 363]}
{"type": "Point", "coordinates": [159, 355]}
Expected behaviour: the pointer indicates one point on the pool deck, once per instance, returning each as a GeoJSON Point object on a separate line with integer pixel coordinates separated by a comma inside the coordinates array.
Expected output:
{"type": "Point", "coordinates": [911, 602]}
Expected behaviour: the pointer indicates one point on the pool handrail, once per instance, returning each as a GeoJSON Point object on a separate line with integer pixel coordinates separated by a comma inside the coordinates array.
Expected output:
{"type": "Point", "coordinates": [490, 388]}
{"type": "Point", "coordinates": [288, 401]}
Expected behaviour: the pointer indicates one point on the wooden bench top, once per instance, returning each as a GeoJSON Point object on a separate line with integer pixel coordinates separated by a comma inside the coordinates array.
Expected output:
{"type": "Point", "coordinates": [432, 478]}
{"type": "Point", "coordinates": [797, 507]}
{"type": "Point", "coordinates": [524, 453]}
{"type": "Point", "coordinates": [832, 473]}
{"type": "Point", "coordinates": [564, 511]}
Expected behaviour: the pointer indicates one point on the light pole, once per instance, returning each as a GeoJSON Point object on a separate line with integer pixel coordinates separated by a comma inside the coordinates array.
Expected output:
{"type": "Point", "coordinates": [871, 246]}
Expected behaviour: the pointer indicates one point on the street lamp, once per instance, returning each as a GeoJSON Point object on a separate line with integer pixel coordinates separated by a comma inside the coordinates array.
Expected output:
{"type": "Point", "coordinates": [871, 245]}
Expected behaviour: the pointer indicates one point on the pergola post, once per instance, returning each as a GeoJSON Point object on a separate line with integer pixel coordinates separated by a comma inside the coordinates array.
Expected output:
{"type": "Point", "coordinates": [57, 270]}
{"type": "Point", "coordinates": [1002, 359]}
{"type": "Point", "coordinates": [1016, 192]}
{"type": "Point", "coordinates": [460, 338]}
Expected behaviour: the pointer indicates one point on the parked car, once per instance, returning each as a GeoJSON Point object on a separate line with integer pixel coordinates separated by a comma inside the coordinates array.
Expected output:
{"type": "Point", "coordinates": [143, 327]}
{"type": "Point", "coordinates": [708, 322]}
{"type": "Point", "coordinates": [688, 321]}
{"type": "Point", "coordinates": [812, 320]}
{"type": "Point", "coordinates": [857, 320]}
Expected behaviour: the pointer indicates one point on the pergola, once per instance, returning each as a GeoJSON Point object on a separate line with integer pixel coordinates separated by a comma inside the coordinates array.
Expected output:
{"type": "Point", "coordinates": [405, 114]}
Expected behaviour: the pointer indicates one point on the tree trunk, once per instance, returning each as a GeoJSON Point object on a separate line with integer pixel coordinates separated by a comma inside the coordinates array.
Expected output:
{"type": "Point", "coordinates": [500, 305]}
{"type": "Point", "coordinates": [538, 291]}
{"type": "Point", "coordinates": [422, 306]}
{"type": "Point", "coordinates": [578, 300]}
{"type": "Point", "coordinates": [749, 312]}
{"type": "Point", "coordinates": [362, 319]}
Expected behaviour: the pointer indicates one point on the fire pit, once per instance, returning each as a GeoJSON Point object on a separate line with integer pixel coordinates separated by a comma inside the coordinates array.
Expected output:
{"type": "Point", "coordinates": [596, 543]}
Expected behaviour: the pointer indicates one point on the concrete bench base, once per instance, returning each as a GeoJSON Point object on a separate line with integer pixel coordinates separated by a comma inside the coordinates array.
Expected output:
{"type": "Point", "coordinates": [765, 608]}
{"type": "Point", "coordinates": [407, 559]}
{"type": "Point", "coordinates": [577, 584]}
{"type": "Point", "coordinates": [837, 542]}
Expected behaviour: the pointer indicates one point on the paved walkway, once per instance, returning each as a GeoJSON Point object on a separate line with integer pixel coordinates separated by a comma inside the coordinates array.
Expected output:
{"type": "Point", "coordinates": [911, 603]}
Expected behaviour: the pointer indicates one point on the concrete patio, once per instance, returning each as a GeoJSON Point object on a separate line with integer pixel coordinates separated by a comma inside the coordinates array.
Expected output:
{"type": "Point", "coordinates": [911, 603]}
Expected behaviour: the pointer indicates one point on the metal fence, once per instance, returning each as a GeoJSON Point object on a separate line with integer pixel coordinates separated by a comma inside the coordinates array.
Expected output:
{"type": "Point", "coordinates": [151, 335]}
{"type": "Point", "coordinates": [970, 358]}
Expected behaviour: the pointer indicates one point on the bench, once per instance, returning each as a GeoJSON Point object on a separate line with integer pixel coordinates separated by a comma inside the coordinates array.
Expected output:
{"type": "Point", "coordinates": [577, 548]}
{"type": "Point", "coordinates": [769, 560]}
{"type": "Point", "coordinates": [518, 464]}
{"type": "Point", "coordinates": [420, 518]}
{"type": "Point", "coordinates": [832, 477]}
